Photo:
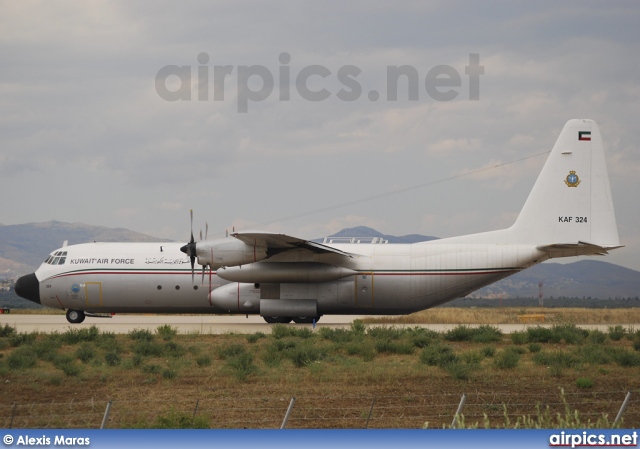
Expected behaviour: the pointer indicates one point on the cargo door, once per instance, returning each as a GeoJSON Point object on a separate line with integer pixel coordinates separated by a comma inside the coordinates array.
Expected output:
{"type": "Point", "coordinates": [93, 293]}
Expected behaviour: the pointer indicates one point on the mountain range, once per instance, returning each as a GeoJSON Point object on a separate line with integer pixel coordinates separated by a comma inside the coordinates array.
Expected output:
{"type": "Point", "coordinates": [23, 247]}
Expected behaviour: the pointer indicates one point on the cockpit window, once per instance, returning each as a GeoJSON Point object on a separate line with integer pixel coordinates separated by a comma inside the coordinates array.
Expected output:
{"type": "Point", "coordinates": [57, 258]}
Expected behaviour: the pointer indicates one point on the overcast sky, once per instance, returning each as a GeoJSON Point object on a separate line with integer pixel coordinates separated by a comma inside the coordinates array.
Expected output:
{"type": "Point", "coordinates": [88, 135]}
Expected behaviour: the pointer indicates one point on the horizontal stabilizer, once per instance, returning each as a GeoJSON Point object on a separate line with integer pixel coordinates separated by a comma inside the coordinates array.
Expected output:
{"type": "Point", "coordinates": [576, 249]}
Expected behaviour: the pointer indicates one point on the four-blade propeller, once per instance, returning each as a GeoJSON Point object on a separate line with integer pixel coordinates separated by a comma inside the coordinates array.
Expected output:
{"type": "Point", "coordinates": [190, 248]}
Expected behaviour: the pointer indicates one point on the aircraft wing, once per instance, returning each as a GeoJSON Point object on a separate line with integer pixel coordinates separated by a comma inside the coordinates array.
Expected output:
{"type": "Point", "coordinates": [278, 243]}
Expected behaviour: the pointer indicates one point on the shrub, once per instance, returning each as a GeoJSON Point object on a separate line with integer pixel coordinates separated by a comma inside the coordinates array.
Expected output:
{"type": "Point", "coordinates": [66, 364]}
{"type": "Point", "coordinates": [85, 352]}
{"type": "Point", "coordinates": [203, 360]}
{"type": "Point", "coordinates": [272, 359]}
{"type": "Point", "coordinates": [506, 359]}
{"type": "Point", "coordinates": [594, 354]}
{"type": "Point", "coordinates": [173, 349]}
{"type": "Point", "coordinates": [584, 382]}
{"type": "Point", "coordinates": [559, 359]}
{"type": "Point", "coordinates": [112, 358]}
{"type": "Point", "coordinates": [253, 338]}
{"type": "Point", "coordinates": [148, 348]}
{"type": "Point", "coordinates": [569, 333]}
{"type": "Point", "coordinates": [136, 360]}
{"type": "Point", "coordinates": [76, 335]}
{"type": "Point", "coordinates": [336, 335]}
{"type": "Point", "coordinates": [46, 348]}
{"type": "Point", "coordinates": [358, 327]}
{"type": "Point", "coordinates": [7, 330]}
{"type": "Point", "coordinates": [624, 357]}
{"type": "Point", "coordinates": [176, 420]}
{"type": "Point", "coordinates": [519, 337]}
{"type": "Point", "coordinates": [141, 335]}
{"type": "Point", "coordinates": [597, 337]}
{"type": "Point", "coordinates": [152, 368]}
{"type": "Point", "coordinates": [486, 334]}
{"type": "Point", "coordinates": [24, 338]}
{"type": "Point", "coordinates": [472, 357]}
{"type": "Point", "coordinates": [386, 332]}
{"type": "Point", "coordinates": [421, 337]}
{"type": "Point", "coordinates": [282, 345]}
{"type": "Point", "coordinates": [362, 348]}
{"type": "Point", "coordinates": [488, 351]}
{"type": "Point", "coordinates": [616, 332]}
{"type": "Point", "coordinates": [393, 347]}
{"type": "Point", "coordinates": [304, 355]}
{"type": "Point", "coordinates": [231, 350]}
{"type": "Point", "coordinates": [481, 334]}
{"type": "Point", "coordinates": [534, 347]}
{"type": "Point", "coordinates": [539, 334]}
{"type": "Point", "coordinates": [22, 358]}
{"type": "Point", "coordinates": [169, 373]}
{"type": "Point", "coordinates": [242, 366]}
{"type": "Point", "coordinates": [279, 331]}
{"type": "Point", "coordinates": [459, 333]}
{"type": "Point", "coordinates": [107, 340]}
{"type": "Point", "coordinates": [459, 371]}
{"type": "Point", "coordinates": [166, 332]}
{"type": "Point", "coordinates": [438, 355]}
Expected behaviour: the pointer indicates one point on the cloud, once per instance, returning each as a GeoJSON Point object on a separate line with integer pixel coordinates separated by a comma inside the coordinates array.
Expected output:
{"type": "Point", "coordinates": [80, 118]}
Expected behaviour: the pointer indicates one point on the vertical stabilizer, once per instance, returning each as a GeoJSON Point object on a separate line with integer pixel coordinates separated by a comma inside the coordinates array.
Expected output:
{"type": "Point", "coordinates": [571, 200]}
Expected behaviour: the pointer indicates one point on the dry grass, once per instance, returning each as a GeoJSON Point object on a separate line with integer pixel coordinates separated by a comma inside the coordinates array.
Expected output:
{"type": "Point", "coordinates": [335, 391]}
{"type": "Point", "coordinates": [509, 315]}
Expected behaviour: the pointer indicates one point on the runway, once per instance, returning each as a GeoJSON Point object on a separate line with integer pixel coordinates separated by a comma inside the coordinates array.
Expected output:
{"type": "Point", "coordinates": [208, 324]}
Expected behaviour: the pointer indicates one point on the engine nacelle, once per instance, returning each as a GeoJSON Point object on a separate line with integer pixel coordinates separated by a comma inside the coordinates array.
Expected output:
{"type": "Point", "coordinates": [287, 272]}
{"type": "Point", "coordinates": [236, 298]}
{"type": "Point", "coordinates": [228, 252]}
{"type": "Point", "coordinates": [245, 298]}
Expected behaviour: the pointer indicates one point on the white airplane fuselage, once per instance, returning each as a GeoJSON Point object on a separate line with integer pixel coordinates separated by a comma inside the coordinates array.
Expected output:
{"type": "Point", "coordinates": [389, 279]}
{"type": "Point", "coordinates": [569, 212]}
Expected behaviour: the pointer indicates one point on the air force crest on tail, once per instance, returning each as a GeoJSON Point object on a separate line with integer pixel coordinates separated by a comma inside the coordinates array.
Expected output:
{"type": "Point", "coordinates": [572, 180]}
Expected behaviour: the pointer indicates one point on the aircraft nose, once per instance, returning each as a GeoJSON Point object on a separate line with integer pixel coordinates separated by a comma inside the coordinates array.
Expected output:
{"type": "Point", "coordinates": [28, 287]}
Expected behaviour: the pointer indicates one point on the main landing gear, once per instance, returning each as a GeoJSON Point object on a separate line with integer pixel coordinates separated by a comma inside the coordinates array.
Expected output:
{"type": "Point", "coordinates": [75, 316]}
{"type": "Point", "coordinates": [296, 319]}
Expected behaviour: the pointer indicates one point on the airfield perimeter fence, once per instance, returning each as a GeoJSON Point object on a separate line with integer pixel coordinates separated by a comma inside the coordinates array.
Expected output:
{"type": "Point", "coordinates": [318, 412]}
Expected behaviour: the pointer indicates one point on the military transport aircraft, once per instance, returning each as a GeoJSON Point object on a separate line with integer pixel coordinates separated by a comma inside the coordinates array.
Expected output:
{"type": "Point", "coordinates": [569, 212]}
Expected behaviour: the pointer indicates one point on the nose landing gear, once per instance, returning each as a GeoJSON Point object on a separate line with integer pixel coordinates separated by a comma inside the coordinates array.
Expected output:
{"type": "Point", "coordinates": [75, 316]}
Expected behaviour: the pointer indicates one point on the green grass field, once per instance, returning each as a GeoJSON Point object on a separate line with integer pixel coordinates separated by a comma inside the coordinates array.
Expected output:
{"type": "Point", "coordinates": [413, 377]}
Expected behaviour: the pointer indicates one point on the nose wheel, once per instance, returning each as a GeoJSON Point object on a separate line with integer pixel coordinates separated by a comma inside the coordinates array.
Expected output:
{"type": "Point", "coordinates": [75, 316]}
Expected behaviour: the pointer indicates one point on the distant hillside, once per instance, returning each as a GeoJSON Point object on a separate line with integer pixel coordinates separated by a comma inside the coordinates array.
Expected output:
{"type": "Point", "coordinates": [364, 231]}
{"type": "Point", "coordinates": [585, 278]}
{"type": "Point", "coordinates": [27, 245]}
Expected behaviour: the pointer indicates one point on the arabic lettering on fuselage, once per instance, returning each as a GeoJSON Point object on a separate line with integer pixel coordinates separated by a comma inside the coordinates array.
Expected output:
{"type": "Point", "coordinates": [165, 261]}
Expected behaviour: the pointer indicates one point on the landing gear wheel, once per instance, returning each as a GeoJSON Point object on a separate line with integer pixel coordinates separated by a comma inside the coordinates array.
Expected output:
{"type": "Point", "coordinates": [75, 316]}
{"type": "Point", "coordinates": [277, 319]}
{"type": "Point", "coordinates": [305, 319]}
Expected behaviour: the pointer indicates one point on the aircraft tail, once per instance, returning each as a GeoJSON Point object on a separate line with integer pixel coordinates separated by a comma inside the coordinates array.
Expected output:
{"type": "Point", "coordinates": [570, 206]}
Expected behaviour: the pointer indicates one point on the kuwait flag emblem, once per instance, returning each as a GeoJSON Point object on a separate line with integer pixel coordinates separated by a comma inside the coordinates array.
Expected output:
{"type": "Point", "coordinates": [584, 135]}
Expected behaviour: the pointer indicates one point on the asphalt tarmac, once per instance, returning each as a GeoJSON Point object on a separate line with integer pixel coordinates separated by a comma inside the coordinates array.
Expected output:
{"type": "Point", "coordinates": [205, 324]}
